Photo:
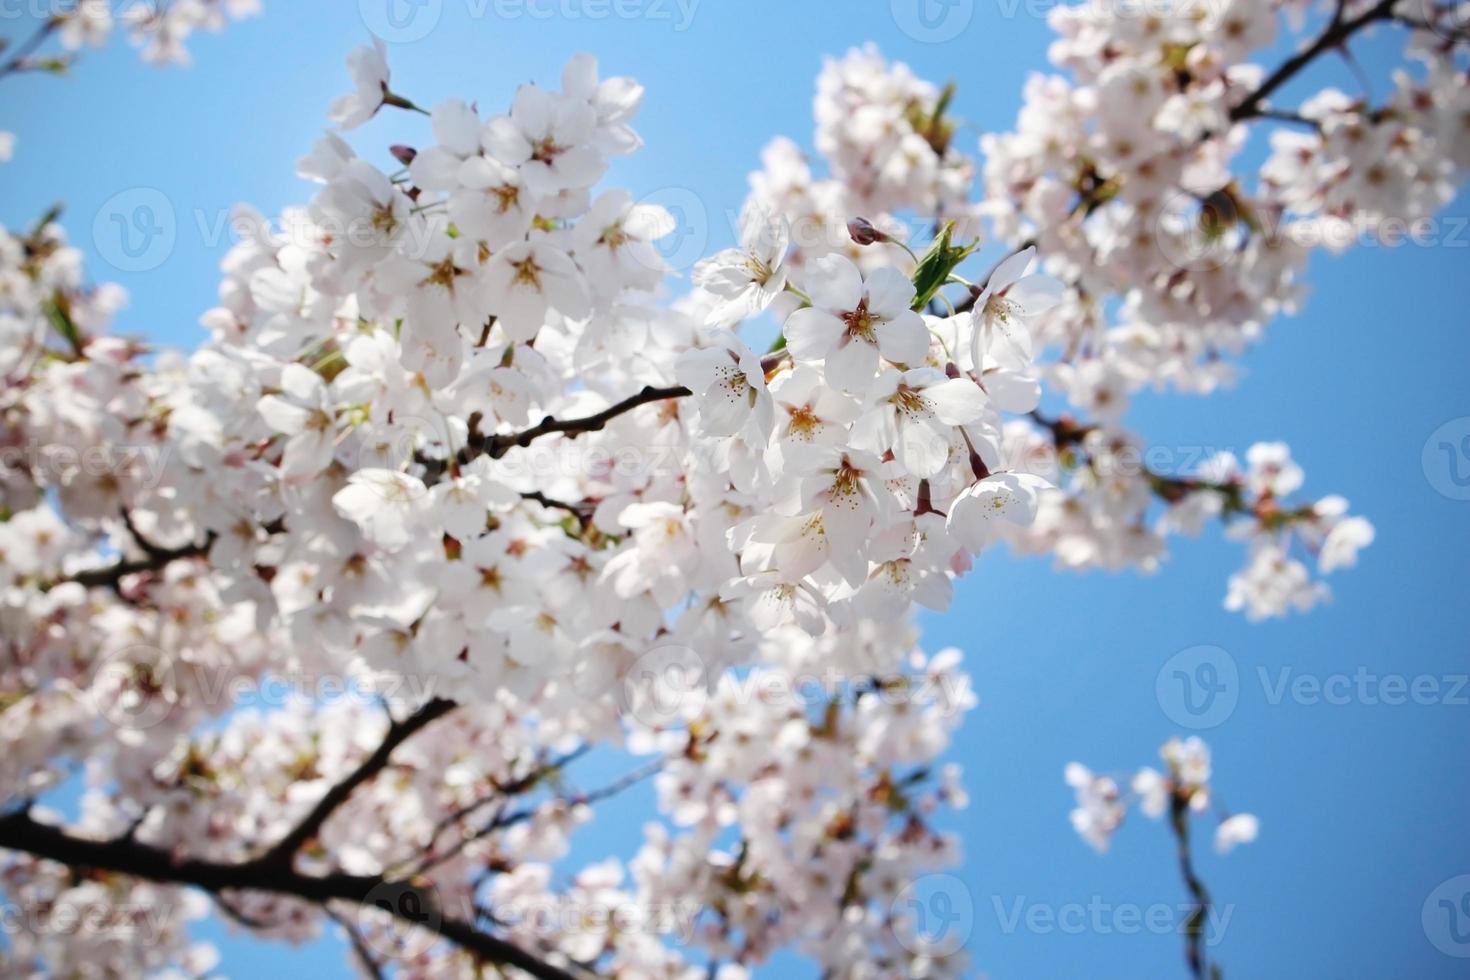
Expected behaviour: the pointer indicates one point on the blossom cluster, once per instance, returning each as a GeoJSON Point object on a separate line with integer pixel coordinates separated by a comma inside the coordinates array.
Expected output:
{"type": "Point", "coordinates": [1116, 512]}
{"type": "Point", "coordinates": [891, 150]}
{"type": "Point", "coordinates": [1124, 171]}
{"type": "Point", "coordinates": [1185, 785]}
{"type": "Point", "coordinates": [364, 413]}
{"type": "Point", "coordinates": [452, 426]}
{"type": "Point", "coordinates": [1049, 330]}
{"type": "Point", "coordinates": [158, 29]}
{"type": "Point", "coordinates": [1121, 172]}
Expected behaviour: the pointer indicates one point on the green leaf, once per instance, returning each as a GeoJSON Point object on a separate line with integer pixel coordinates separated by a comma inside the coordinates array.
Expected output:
{"type": "Point", "coordinates": [936, 265]}
{"type": "Point", "coordinates": [61, 320]}
{"type": "Point", "coordinates": [52, 213]}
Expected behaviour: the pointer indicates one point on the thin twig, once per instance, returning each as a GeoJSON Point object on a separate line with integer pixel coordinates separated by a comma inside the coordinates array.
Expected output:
{"type": "Point", "coordinates": [283, 852]}
{"type": "Point", "coordinates": [1338, 31]}
{"type": "Point", "coordinates": [1194, 925]}
{"type": "Point", "coordinates": [17, 61]}
{"type": "Point", "coordinates": [497, 446]}
{"type": "Point", "coordinates": [364, 955]}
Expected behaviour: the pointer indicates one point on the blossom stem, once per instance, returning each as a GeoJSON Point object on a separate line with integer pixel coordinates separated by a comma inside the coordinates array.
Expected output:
{"type": "Point", "coordinates": [399, 102]}
{"type": "Point", "coordinates": [801, 295]}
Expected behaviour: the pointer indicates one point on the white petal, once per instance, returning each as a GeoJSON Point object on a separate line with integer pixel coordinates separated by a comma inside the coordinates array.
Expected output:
{"type": "Point", "coordinates": [958, 401]}
{"type": "Point", "coordinates": [1011, 268]}
{"type": "Point", "coordinates": [890, 293]}
{"type": "Point", "coordinates": [834, 283]}
{"type": "Point", "coordinates": [1036, 294]}
{"type": "Point", "coordinates": [811, 333]}
{"type": "Point", "coordinates": [281, 415]}
{"type": "Point", "coordinates": [904, 340]}
{"type": "Point", "coordinates": [852, 365]}
{"type": "Point", "coordinates": [922, 448]}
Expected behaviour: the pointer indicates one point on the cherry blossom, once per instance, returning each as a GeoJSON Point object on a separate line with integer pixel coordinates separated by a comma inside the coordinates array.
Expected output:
{"type": "Point", "coordinates": [744, 281]}
{"type": "Point", "coordinates": [852, 320]}
{"type": "Point", "coordinates": [369, 69]}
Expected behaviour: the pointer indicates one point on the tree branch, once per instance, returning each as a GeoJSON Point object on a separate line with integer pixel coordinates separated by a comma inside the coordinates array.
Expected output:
{"type": "Point", "coordinates": [576, 510]}
{"type": "Point", "coordinates": [111, 576]}
{"type": "Point", "coordinates": [20, 832]}
{"type": "Point", "coordinates": [18, 62]}
{"type": "Point", "coordinates": [497, 446]}
{"type": "Point", "coordinates": [1337, 33]}
{"type": "Point", "coordinates": [1194, 925]}
{"type": "Point", "coordinates": [283, 852]}
{"type": "Point", "coordinates": [154, 557]}
{"type": "Point", "coordinates": [1067, 433]}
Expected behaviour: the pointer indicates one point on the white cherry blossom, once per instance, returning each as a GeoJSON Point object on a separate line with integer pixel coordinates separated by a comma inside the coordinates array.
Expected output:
{"type": "Point", "coordinates": [852, 320]}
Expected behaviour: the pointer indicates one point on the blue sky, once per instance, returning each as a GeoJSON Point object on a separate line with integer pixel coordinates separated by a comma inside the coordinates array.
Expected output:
{"type": "Point", "coordinates": [1364, 805]}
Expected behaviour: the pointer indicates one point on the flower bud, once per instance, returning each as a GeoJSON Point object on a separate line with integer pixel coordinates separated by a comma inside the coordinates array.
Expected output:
{"type": "Point", "coordinates": [863, 232]}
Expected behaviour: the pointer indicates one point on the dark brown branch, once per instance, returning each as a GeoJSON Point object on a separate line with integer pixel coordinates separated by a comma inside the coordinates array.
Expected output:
{"type": "Point", "coordinates": [20, 832]}
{"type": "Point", "coordinates": [505, 817]}
{"type": "Point", "coordinates": [1067, 433]}
{"type": "Point", "coordinates": [111, 576]}
{"type": "Point", "coordinates": [498, 446]}
{"type": "Point", "coordinates": [1287, 116]}
{"type": "Point", "coordinates": [149, 549]}
{"type": "Point", "coordinates": [155, 558]}
{"type": "Point", "coordinates": [1337, 33]}
{"type": "Point", "coordinates": [283, 852]}
{"type": "Point", "coordinates": [1197, 921]}
{"type": "Point", "coordinates": [576, 510]}
{"type": "Point", "coordinates": [627, 780]}
{"type": "Point", "coordinates": [503, 792]}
